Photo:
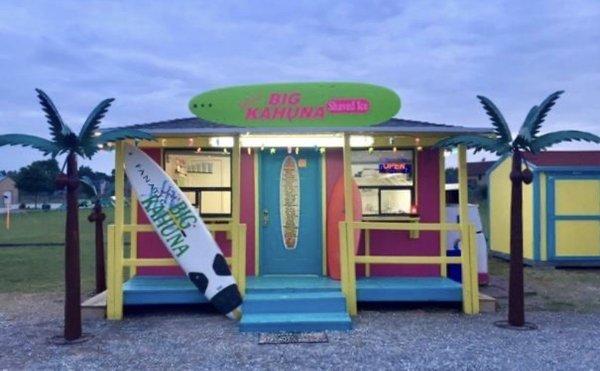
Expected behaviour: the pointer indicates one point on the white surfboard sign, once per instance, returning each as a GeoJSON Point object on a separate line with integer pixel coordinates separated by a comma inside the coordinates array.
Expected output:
{"type": "Point", "coordinates": [183, 232]}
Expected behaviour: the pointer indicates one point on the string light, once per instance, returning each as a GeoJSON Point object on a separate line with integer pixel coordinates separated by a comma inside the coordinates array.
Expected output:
{"type": "Point", "coordinates": [249, 150]}
{"type": "Point", "coordinates": [262, 147]}
{"type": "Point", "coordinates": [417, 140]}
{"type": "Point", "coordinates": [272, 151]}
{"type": "Point", "coordinates": [395, 149]}
{"type": "Point", "coordinates": [322, 150]}
{"type": "Point", "coordinates": [225, 151]}
{"type": "Point", "coordinates": [419, 148]}
{"type": "Point", "coordinates": [190, 142]}
{"type": "Point", "coordinates": [370, 149]}
{"type": "Point", "coordinates": [199, 149]}
{"type": "Point", "coordinates": [289, 150]}
{"type": "Point", "coordinates": [163, 142]}
{"type": "Point", "coordinates": [391, 140]}
{"type": "Point", "coordinates": [297, 150]}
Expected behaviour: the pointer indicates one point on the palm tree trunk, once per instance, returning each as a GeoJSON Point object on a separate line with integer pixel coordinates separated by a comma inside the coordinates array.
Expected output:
{"type": "Point", "coordinates": [72, 329]}
{"type": "Point", "coordinates": [516, 299]}
{"type": "Point", "coordinates": [98, 217]}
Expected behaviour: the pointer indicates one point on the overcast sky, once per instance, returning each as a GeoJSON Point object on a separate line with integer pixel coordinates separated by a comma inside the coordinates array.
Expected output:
{"type": "Point", "coordinates": [436, 55]}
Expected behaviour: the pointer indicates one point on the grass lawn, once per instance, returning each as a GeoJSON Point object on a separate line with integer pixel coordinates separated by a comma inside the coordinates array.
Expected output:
{"type": "Point", "coordinates": [555, 289]}
{"type": "Point", "coordinates": [38, 269]}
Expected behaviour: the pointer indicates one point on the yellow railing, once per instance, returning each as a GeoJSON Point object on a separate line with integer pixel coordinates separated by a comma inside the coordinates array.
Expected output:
{"type": "Point", "coordinates": [468, 258]}
{"type": "Point", "coordinates": [117, 261]}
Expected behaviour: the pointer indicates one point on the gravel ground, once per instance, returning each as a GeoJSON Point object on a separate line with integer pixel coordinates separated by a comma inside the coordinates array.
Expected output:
{"type": "Point", "coordinates": [398, 339]}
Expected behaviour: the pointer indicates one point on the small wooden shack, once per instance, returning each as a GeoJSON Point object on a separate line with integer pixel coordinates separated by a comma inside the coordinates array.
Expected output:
{"type": "Point", "coordinates": [561, 208]}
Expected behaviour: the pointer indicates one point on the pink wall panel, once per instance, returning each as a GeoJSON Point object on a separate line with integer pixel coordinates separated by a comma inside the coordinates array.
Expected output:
{"type": "Point", "coordinates": [150, 245]}
{"type": "Point", "coordinates": [398, 243]}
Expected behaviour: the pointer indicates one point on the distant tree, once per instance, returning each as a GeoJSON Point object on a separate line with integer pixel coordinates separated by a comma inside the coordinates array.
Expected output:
{"type": "Point", "coordinates": [38, 178]}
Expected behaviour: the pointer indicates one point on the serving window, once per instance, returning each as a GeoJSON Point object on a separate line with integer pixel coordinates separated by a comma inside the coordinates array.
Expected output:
{"type": "Point", "coordinates": [204, 177]}
{"type": "Point", "coordinates": [385, 179]}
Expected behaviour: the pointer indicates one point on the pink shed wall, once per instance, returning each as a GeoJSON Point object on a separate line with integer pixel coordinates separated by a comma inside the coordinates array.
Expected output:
{"type": "Point", "coordinates": [398, 242]}
{"type": "Point", "coordinates": [150, 245]}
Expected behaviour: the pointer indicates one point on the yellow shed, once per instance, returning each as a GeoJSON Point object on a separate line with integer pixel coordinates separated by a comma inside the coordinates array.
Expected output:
{"type": "Point", "coordinates": [561, 208]}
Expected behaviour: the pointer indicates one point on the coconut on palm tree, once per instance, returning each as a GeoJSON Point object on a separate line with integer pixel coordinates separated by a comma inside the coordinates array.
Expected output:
{"type": "Point", "coordinates": [85, 144]}
{"type": "Point", "coordinates": [528, 140]}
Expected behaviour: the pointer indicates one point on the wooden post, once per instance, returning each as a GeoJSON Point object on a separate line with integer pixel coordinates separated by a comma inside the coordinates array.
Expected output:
{"type": "Point", "coordinates": [110, 272]}
{"type": "Point", "coordinates": [442, 217]}
{"type": "Point", "coordinates": [119, 222]}
{"type": "Point", "coordinates": [463, 206]}
{"type": "Point", "coordinates": [344, 264]}
{"type": "Point", "coordinates": [473, 271]}
{"type": "Point", "coordinates": [242, 259]}
{"type": "Point", "coordinates": [349, 217]}
{"type": "Point", "coordinates": [133, 238]}
{"type": "Point", "coordinates": [235, 211]}
{"type": "Point", "coordinates": [368, 251]}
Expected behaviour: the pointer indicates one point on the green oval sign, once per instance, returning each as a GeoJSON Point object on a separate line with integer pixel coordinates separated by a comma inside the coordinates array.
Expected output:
{"type": "Point", "coordinates": [297, 105]}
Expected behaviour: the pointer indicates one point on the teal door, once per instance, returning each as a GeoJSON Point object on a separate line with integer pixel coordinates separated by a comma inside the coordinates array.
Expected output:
{"type": "Point", "coordinates": [290, 214]}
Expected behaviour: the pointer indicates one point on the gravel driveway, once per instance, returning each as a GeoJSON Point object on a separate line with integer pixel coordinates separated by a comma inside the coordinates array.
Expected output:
{"type": "Point", "coordinates": [407, 339]}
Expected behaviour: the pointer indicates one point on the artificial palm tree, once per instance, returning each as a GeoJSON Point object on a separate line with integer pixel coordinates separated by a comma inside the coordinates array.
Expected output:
{"type": "Point", "coordinates": [100, 195]}
{"type": "Point", "coordinates": [527, 141]}
{"type": "Point", "coordinates": [86, 144]}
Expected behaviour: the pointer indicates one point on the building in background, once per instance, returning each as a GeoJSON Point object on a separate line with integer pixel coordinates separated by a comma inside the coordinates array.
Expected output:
{"type": "Point", "coordinates": [561, 208]}
{"type": "Point", "coordinates": [7, 184]}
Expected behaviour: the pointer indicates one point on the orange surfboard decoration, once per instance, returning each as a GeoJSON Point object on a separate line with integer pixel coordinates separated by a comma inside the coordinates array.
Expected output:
{"type": "Point", "coordinates": [335, 215]}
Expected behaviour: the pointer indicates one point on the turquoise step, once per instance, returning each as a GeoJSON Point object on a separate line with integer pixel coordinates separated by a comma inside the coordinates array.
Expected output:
{"type": "Point", "coordinates": [284, 284]}
{"type": "Point", "coordinates": [295, 322]}
{"type": "Point", "coordinates": [289, 302]}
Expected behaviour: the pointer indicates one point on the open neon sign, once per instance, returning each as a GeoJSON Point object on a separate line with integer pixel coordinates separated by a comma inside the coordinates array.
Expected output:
{"type": "Point", "coordinates": [389, 166]}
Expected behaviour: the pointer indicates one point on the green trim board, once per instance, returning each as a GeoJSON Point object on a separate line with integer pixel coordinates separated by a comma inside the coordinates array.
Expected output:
{"type": "Point", "coordinates": [284, 105]}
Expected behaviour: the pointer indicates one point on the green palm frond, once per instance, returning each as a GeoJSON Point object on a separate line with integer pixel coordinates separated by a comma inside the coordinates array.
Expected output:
{"type": "Point", "coordinates": [476, 142]}
{"type": "Point", "coordinates": [58, 130]}
{"type": "Point", "coordinates": [86, 181]}
{"type": "Point", "coordinates": [92, 123]}
{"type": "Point", "coordinates": [544, 141]}
{"type": "Point", "coordinates": [44, 145]}
{"type": "Point", "coordinates": [525, 132]}
{"type": "Point", "coordinates": [533, 123]}
{"type": "Point", "coordinates": [500, 126]}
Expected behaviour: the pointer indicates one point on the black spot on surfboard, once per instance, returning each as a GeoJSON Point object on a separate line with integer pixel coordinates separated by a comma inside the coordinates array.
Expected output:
{"type": "Point", "coordinates": [220, 266]}
{"type": "Point", "coordinates": [227, 299]}
{"type": "Point", "coordinates": [199, 280]}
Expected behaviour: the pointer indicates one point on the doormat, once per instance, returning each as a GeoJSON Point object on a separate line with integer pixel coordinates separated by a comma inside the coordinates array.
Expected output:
{"type": "Point", "coordinates": [293, 338]}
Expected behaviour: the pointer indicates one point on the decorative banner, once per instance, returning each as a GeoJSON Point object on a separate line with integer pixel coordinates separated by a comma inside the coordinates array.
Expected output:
{"type": "Point", "coordinates": [289, 202]}
{"type": "Point", "coordinates": [297, 105]}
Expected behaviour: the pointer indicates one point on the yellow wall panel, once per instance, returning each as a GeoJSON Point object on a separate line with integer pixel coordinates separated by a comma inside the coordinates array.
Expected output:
{"type": "Point", "coordinates": [499, 207]}
{"type": "Point", "coordinates": [578, 238]}
{"type": "Point", "coordinates": [542, 206]}
{"type": "Point", "coordinates": [528, 221]}
{"type": "Point", "coordinates": [577, 197]}
{"type": "Point", "coordinates": [500, 195]}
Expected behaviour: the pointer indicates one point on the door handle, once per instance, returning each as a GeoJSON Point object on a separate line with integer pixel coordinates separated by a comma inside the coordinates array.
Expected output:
{"type": "Point", "coordinates": [265, 217]}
